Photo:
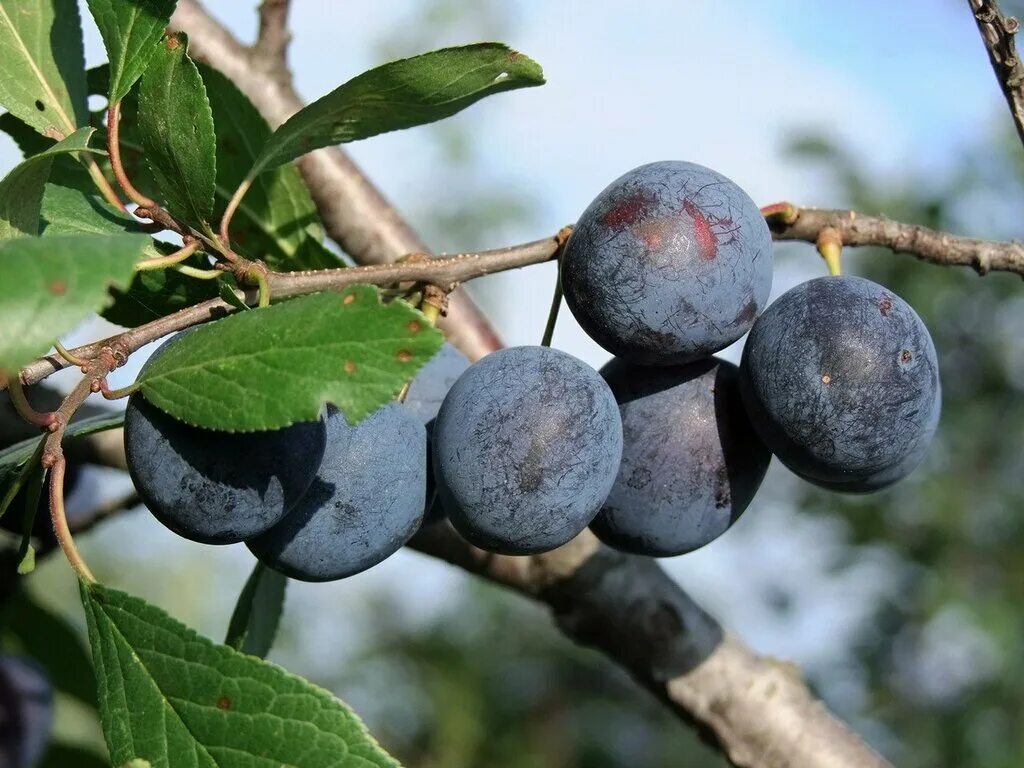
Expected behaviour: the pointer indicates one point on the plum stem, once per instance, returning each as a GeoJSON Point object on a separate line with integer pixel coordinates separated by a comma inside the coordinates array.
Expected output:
{"type": "Point", "coordinates": [556, 304]}
{"type": "Point", "coordinates": [432, 305]}
{"type": "Point", "coordinates": [75, 360]}
{"type": "Point", "coordinates": [117, 394]}
{"type": "Point", "coordinates": [24, 408]}
{"type": "Point", "coordinates": [830, 246]}
{"type": "Point", "coordinates": [170, 259]}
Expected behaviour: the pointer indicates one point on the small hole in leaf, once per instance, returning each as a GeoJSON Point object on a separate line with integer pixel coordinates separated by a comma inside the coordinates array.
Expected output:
{"type": "Point", "coordinates": [40, 106]}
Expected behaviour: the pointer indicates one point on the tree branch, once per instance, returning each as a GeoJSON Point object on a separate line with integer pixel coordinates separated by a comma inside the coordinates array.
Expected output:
{"type": "Point", "coordinates": [997, 32]}
{"type": "Point", "coordinates": [789, 222]}
{"type": "Point", "coordinates": [444, 271]}
{"type": "Point", "coordinates": [757, 708]}
{"type": "Point", "coordinates": [271, 47]}
{"type": "Point", "coordinates": [354, 212]}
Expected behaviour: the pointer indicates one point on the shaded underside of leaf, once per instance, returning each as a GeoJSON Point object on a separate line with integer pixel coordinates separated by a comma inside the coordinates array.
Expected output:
{"type": "Point", "coordinates": [51, 284]}
{"type": "Point", "coordinates": [399, 95]}
{"type": "Point", "coordinates": [257, 613]}
{"type": "Point", "coordinates": [272, 367]}
{"type": "Point", "coordinates": [43, 64]}
{"type": "Point", "coordinates": [21, 190]}
{"type": "Point", "coordinates": [174, 698]}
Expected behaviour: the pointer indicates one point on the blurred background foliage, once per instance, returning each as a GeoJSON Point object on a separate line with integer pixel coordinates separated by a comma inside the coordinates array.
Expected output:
{"type": "Point", "coordinates": [487, 680]}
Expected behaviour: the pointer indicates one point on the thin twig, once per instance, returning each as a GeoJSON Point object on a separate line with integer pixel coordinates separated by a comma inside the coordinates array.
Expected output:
{"type": "Point", "coordinates": [53, 459]}
{"type": "Point", "coordinates": [997, 32]}
{"type": "Point", "coordinates": [271, 48]}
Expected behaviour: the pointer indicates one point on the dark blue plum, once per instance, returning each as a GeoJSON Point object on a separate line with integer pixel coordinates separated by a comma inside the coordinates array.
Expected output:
{"type": "Point", "coordinates": [26, 711]}
{"type": "Point", "coordinates": [670, 263]}
{"type": "Point", "coordinates": [426, 393]}
{"type": "Point", "coordinates": [691, 462]}
{"type": "Point", "coordinates": [217, 487]}
{"type": "Point", "coordinates": [841, 381]}
{"type": "Point", "coordinates": [366, 502]}
{"type": "Point", "coordinates": [526, 448]}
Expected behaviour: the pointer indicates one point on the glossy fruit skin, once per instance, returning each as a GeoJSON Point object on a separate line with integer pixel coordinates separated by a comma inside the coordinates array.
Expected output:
{"type": "Point", "coordinates": [691, 462]}
{"type": "Point", "coordinates": [366, 502]}
{"type": "Point", "coordinates": [217, 487]}
{"type": "Point", "coordinates": [669, 264]}
{"type": "Point", "coordinates": [841, 381]}
{"type": "Point", "coordinates": [526, 448]}
{"type": "Point", "coordinates": [26, 711]}
{"type": "Point", "coordinates": [426, 393]}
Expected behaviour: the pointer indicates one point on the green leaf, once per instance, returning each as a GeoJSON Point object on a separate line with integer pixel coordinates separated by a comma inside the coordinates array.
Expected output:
{"type": "Point", "coordinates": [33, 488]}
{"type": "Point", "coordinates": [43, 65]}
{"type": "Point", "coordinates": [257, 614]}
{"type": "Point", "coordinates": [277, 221]}
{"type": "Point", "coordinates": [54, 643]}
{"type": "Point", "coordinates": [49, 285]}
{"type": "Point", "coordinates": [14, 475]}
{"type": "Point", "coordinates": [401, 94]}
{"type": "Point", "coordinates": [21, 190]}
{"type": "Point", "coordinates": [272, 367]}
{"type": "Point", "coordinates": [130, 30]}
{"type": "Point", "coordinates": [67, 211]}
{"type": "Point", "coordinates": [174, 698]}
{"type": "Point", "coordinates": [176, 127]}
{"type": "Point", "coordinates": [228, 294]}
{"type": "Point", "coordinates": [66, 169]}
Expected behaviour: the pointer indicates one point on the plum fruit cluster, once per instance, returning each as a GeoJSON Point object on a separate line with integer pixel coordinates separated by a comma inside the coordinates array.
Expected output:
{"type": "Point", "coordinates": [659, 453]}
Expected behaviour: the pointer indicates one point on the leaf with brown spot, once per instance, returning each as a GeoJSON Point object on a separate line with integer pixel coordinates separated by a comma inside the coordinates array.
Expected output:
{"type": "Point", "coordinates": [178, 700]}
{"type": "Point", "coordinates": [34, 314]}
{"type": "Point", "coordinates": [272, 367]}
